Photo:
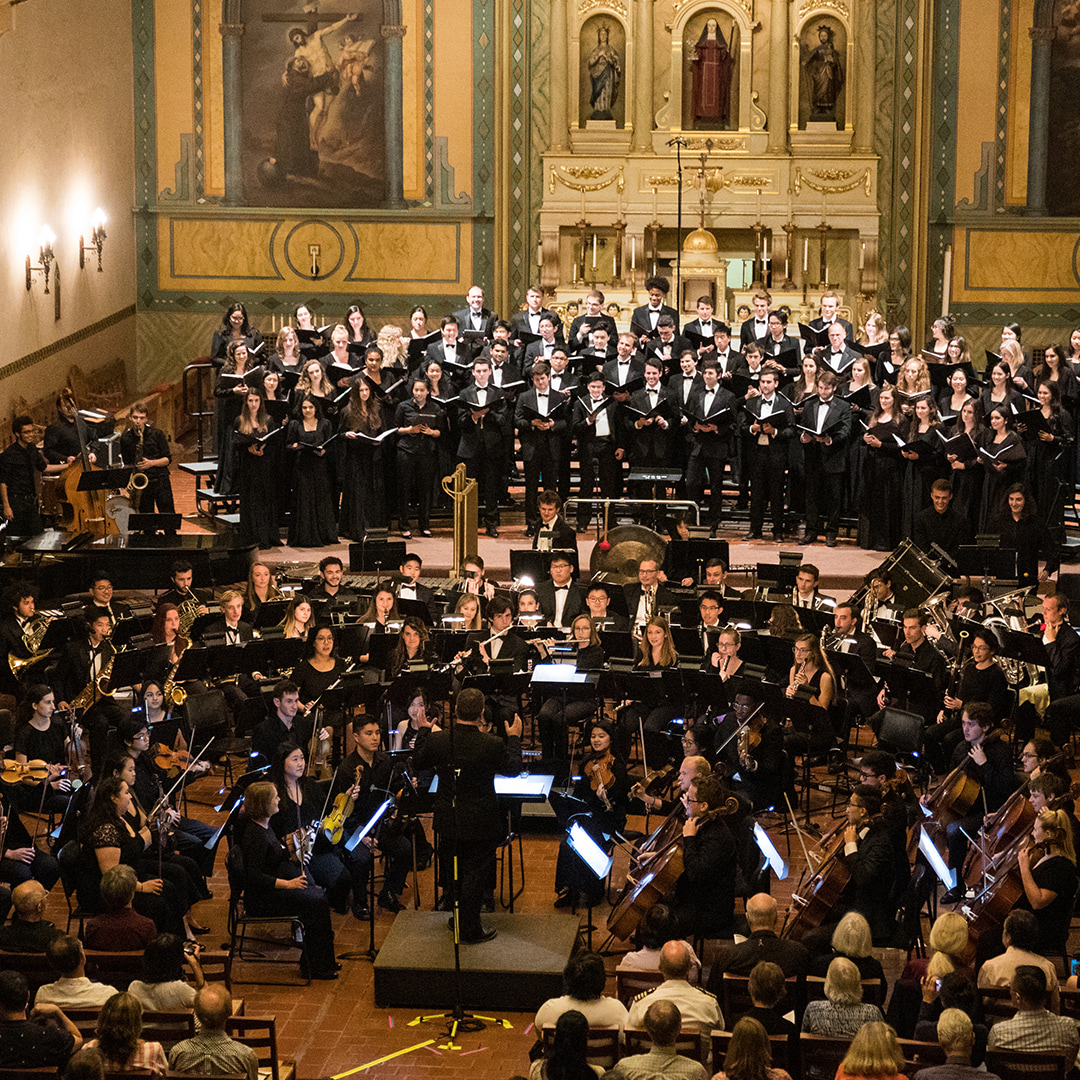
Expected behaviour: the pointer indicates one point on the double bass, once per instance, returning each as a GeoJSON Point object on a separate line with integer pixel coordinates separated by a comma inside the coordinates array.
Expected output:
{"type": "Point", "coordinates": [87, 511]}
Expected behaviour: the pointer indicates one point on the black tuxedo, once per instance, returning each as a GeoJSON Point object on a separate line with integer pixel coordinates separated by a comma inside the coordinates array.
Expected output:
{"type": "Point", "coordinates": [825, 466]}
{"type": "Point", "coordinates": [695, 327]}
{"type": "Point", "coordinates": [424, 595]}
{"type": "Point", "coordinates": [767, 457]}
{"type": "Point", "coordinates": [710, 450]}
{"type": "Point", "coordinates": [840, 363]}
{"type": "Point", "coordinates": [820, 324]}
{"type": "Point", "coordinates": [872, 870]}
{"type": "Point", "coordinates": [488, 319]}
{"type": "Point", "coordinates": [543, 452]}
{"type": "Point", "coordinates": [572, 608]}
{"type": "Point", "coordinates": [593, 322]}
{"type": "Point", "coordinates": [664, 598]}
{"type": "Point", "coordinates": [677, 387]}
{"type": "Point", "coordinates": [436, 351]}
{"type": "Point", "coordinates": [561, 535]}
{"type": "Point", "coordinates": [481, 445]}
{"type": "Point", "coordinates": [641, 321]}
{"type": "Point", "coordinates": [72, 671]}
{"type": "Point", "coordinates": [668, 352]}
{"type": "Point", "coordinates": [522, 322]}
{"type": "Point", "coordinates": [752, 331]}
{"type": "Point", "coordinates": [650, 444]}
{"type": "Point", "coordinates": [218, 628]}
{"type": "Point", "coordinates": [610, 371]}
{"type": "Point", "coordinates": [788, 354]}
{"type": "Point", "coordinates": [596, 455]}
{"type": "Point", "coordinates": [536, 350]}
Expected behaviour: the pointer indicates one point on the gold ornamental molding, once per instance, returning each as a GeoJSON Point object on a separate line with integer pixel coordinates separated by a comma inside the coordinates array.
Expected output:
{"type": "Point", "coordinates": [714, 144]}
{"type": "Point", "coordinates": [833, 175]}
{"type": "Point", "coordinates": [838, 6]}
{"type": "Point", "coordinates": [746, 5]}
{"type": "Point", "coordinates": [568, 174]}
{"type": "Point", "coordinates": [827, 189]}
{"type": "Point", "coordinates": [393, 31]}
{"type": "Point", "coordinates": [614, 5]}
{"type": "Point", "coordinates": [715, 180]}
{"type": "Point", "coordinates": [748, 181]}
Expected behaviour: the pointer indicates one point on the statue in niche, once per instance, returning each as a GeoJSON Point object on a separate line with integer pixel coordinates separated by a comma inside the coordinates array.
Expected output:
{"type": "Point", "coordinates": [825, 76]}
{"type": "Point", "coordinates": [605, 71]}
{"type": "Point", "coordinates": [713, 68]}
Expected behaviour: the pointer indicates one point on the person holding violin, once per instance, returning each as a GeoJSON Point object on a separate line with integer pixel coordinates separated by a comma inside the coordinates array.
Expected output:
{"type": "Point", "coordinates": [1048, 872]}
{"type": "Point", "coordinates": [315, 675]}
{"type": "Point", "coordinates": [691, 768]}
{"type": "Point", "coordinates": [984, 755]}
{"type": "Point", "coordinates": [899, 807]}
{"type": "Point", "coordinates": [276, 885]}
{"type": "Point", "coordinates": [756, 754]}
{"type": "Point", "coordinates": [372, 771]}
{"type": "Point", "coordinates": [602, 790]}
{"type": "Point", "coordinates": [41, 738]}
{"type": "Point", "coordinates": [303, 805]}
{"type": "Point", "coordinates": [867, 853]}
{"type": "Point", "coordinates": [283, 724]}
{"type": "Point", "coordinates": [704, 898]}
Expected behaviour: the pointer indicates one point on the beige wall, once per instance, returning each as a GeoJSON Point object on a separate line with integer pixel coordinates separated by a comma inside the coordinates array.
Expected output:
{"type": "Point", "coordinates": [66, 108]}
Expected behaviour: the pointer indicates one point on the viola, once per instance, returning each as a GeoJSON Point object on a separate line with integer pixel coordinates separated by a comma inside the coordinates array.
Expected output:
{"type": "Point", "coordinates": [28, 772]}
{"type": "Point", "coordinates": [600, 771]}
{"type": "Point", "coordinates": [171, 761]}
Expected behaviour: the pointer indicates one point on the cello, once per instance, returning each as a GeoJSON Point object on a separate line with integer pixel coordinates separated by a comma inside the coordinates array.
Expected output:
{"type": "Point", "coordinates": [88, 508]}
{"type": "Point", "coordinates": [950, 801]}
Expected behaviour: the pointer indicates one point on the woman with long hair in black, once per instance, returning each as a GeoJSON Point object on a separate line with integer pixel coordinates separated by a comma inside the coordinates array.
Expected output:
{"type": "Point", "coordinates": [361, 462]}
{"type": "Point", "coordinates": [1006, 468]}
{"type": "Point", "coordinates": [882, 479]}
{"type": "Point", "coordinates": [1049, 454]}
{"type": "Point", "coordinates": [1022, 530]}
{"type": "Point", "coordinates": [313, 522]}
{"type": "Point", "coordinates": [259, 475]}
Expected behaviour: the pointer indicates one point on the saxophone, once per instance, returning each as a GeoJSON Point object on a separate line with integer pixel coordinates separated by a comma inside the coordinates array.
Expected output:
{"type": "Point", "coordinates": [95, 687]}
{"type": "Point", "coordinates": [176, 694]}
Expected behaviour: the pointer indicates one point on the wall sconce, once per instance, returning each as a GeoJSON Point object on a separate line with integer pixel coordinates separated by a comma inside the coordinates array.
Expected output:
{"type": "Point", "coordinates": [45, 257]}
{"type": "Point", "coordinates": [98, 236]}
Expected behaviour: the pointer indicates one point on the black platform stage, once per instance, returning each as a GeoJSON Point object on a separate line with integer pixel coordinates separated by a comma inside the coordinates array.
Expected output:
{"type": "Point", "coordinates": [517, 971]}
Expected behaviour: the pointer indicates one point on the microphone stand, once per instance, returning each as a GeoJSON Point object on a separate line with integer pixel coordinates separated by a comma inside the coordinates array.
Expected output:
{"type": "Point", "coordinates": [678, 142]}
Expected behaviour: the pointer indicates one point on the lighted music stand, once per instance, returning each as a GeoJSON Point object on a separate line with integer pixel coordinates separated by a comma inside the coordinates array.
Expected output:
{"type": "Point", "coordinates": [745, 614]}
{"type": "Point", "coordinates": [350, 845]}
{"type": "Point", "coordinates": [593, 856]}
{"type": "Point", "coordinates": [564, 680]}
{"type": "Point", "coordinates": [778, 577]}
{"type": "Point", "coordinates": [889, 632]}
{"type": "Point", "coordinates": [772, 856]}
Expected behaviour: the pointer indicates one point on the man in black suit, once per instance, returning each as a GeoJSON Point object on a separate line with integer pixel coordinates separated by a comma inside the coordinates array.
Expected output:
{"type": "Point", "coordinates": [181, 590]}
{"type": "Point", "coordinates": [643, 321]}
{"type": "Point", "coordinates": [702, 327]}
{"type": "Point", "coordinates": [481, 414]}
{"type": "Point", "coordinates": [599, 350]}
{"type": "Point", "coordinates": [728, 362]}
{"type": "Point", "coordinates": [543, 422]}
{"type": "Point", "coordinates": [781, 352]}
{"type": "Point", "coordinates": [230, 629]}
{"type": "Point", "coordinates": [561, 600]}
{"type": "Point", "coordinates": [829, 303]}
{"type": "Point", "coordinates": [101, 596]}
{"type": "Point", "coordinates": [838, 356]}
{"type": "Point", "coordinates": [594, 429]}
{"type": "Point", "coordinates": [285, 723]}
{"type": "Point", "coordinates": [648, 428]}
{"type": "Point", "coordinates": [757, 328]}
{"type": "Point", "coordinates": [542, 349]}
{"type": "Point", "coordinates": [562, 378]}
{"type": "Point", "coordinates": [859, 696]}
{"type": "Point", "coordinates": [19, 606]}
{"type": "Point", "coordinates": [553, 534]}
{"type": "Point", "coordinates": [767, 453]}
{"type": "Point", "coordinates": [625, 368]}
{"type": "Point", "coordinates": [711, 423]}
{"type": "Point", "coordinates": [467, 815]}
{"type": "Point", "coordinates": [450, 352]}
{"type": "Point", "coordinates": [329, 587]}
{"type": "Point", "coordinates": [825, 459]}
{"type": "Point", "coordinates": [409, 587]}
{"type": "Point", "coordinates": [940, 524]}
{"type": "Point", "coordinates": [529, 319]}
{"type": "Point", "coordinates": [688, 380]}
{"type": "Point", "coordinates": [763, 945]}
{"type": "Point", "coordinates": [669, 345]}
{"type": "Point", "coordinates": [147, 449]}
{"type": "Point", "coordinates": [598, 602]}
{"type": "Point", "coordinates": [868, 856]}
{"type": "Point", "coordinates": [474, 316]}
{"type": "Point", "coordinates": [581, 328]}
{"type": "Point", "coordinates": [506, 375]}
{"type": "Point", "coordinates": [648, 594]}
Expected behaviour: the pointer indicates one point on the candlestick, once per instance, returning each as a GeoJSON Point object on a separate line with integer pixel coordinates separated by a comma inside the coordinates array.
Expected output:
{"type": "Point", "coordinates": [759, 204]}
{"type": "Point", "coordinates": [805, 254]}
{"type": "Point", "coordinates": [594, 251]}
{"type": "Point", "coordinates": [862, 255]}
{"type": "Point", "coordinates": [765, 249]}
{"type": "Point", "coordinates": [633, 252]}
{"type": "Point", "coordinates": [654, 204]}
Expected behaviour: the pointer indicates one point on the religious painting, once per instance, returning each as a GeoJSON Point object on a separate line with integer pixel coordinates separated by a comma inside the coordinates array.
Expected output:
{"type": "Point", "coordinates": [602, 81]}
{"type": "Point", "coordinates": [710, 59]}
{"type": "Point", "coordinates": [822, 74]}
{"type": "Point", "coordinates": [312, 109]}
{"type": "Point", "coordinates": [1062, 190]}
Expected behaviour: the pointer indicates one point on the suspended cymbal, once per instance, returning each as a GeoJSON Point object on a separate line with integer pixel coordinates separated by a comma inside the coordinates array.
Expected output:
{"type": "Point", "coordinates": [629, 545]}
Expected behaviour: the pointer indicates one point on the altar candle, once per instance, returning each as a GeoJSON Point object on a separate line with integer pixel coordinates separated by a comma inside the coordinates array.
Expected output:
{"type": "Point", "coordinates": [824, 205]}
{"type": "Point", "coordinates": [654, 204]}
{"type": "Point", "coordinates": [633, 252]}
{"type": "Point", "coordinates": [594, 251]}
{"type": "Point", "coordinates": [613, 269]}
{"type": "Point", "coordinates": [826, 281]}
{"type": "Point", "coordinates": [862, 255]}
{"type": "Point", "coordinates": [765, 249]}
{"type": "Point", "coordinates": [540, 254]}
{"type": "Point", "coordinates": [582, 204]}
{"type": "Point", "coordinates": [619, 197]}
{"type": "Point", "coordinates": [759, 204]}
{"type": "Point", "coordinates": [805, 253]}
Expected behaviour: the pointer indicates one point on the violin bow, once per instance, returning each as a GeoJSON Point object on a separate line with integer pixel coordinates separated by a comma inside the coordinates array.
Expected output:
{"type": "Point", "coordinates": [180, 779]}
{"type": "Point", "coordinates": [798, 831]}
{"type": "Point", "coordinates": [740, 729]}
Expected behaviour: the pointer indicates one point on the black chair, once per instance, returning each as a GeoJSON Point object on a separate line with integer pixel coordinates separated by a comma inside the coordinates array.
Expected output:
{"type": "Point", "coordinates": [69, 860]}
{"type": "Point", "coordinates": [240, 920]}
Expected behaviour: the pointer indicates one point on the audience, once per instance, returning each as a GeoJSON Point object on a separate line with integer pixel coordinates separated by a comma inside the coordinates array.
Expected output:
{"type": "Point", "coordinates": [767, 988]}
{"type": "Point", "coordinates": [657, 928]}
{"type": "Point", "coordinates": [875, 1054]}
{"type": "Point", "coordinates": [956, 1034]}
{"type": "Point", "coordinates": [957, 992]}
{"type": "Point", "coordinates": [663, 1023]}
{"type": "Point", "coordinates": [119, 1031]}
{"type": "Point", "coordinates": [1033, 1027]}
{"type": "Point", "coordinates": [211, 1050]}
{"type": "Point", "coordinates": [29, 930]}
{"type": "Point", "coordinates": [584, 978]}
{"type": "Point", "coordinates": [119, 928]}
{"type": "Point", "coordinates": [72, 990]}
{"type": "Point", "coordinates": [697, 1007]}
{"type": "Point", "coordinates": [565, 1057]}
{"type": "Point", "coordinates": [33, 1042]}
{"type": "Point", "coordinates": [842, 1013]}
{"type": "Point", "coordinates": [163, 987]}
{"type": "Point", "coordinates": [852, 940]}
{"type": "Point", "coordinates": [87, 1064]}
{"type": "Point", "coordinates": [1019, 935]}
{"type": "Point", "coordinates": [749, 1056]}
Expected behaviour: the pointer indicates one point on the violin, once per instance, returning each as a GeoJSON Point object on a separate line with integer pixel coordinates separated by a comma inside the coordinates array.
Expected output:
{"type": "Point", "coordinates": [654, 781]}
{"type": "Point", "coordinates": [300, 843]}
{"type": "Point", "coordinates": [28, 772]}
{"type": "Point", "coordinates": [333, 825]}
{"type": "Point", "coordinates": [171, 761]}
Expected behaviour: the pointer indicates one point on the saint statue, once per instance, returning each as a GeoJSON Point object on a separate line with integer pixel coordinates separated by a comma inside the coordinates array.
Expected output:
{"type": "Point", "coordinates": [713, 68]}
{"type": "Point", "coordinates": [825, 75]}
{"type": "Point", "coordinates": [605, 70]}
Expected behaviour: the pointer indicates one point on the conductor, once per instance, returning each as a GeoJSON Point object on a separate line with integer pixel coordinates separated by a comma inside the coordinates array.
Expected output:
{"type": "Point", "coordinates": [473, 758]}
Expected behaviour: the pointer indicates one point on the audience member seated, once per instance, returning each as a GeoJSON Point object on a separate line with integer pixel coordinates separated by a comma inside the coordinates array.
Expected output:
{"type": "Point", "coordinates": [1019, 935]}
{"type": "Point", "coordinates": [767, 987]}
{"type": "Point", "coordinates": [583, 980]}
{"type": "Point", "coordinates": [842, 1012]}
{"type": "Point", "coordinates": [851, 939]}
{"type": "Point", "coordinates": [956, 1034]}
{"type": "Point", "coordinates": [1034, 1027]}
{"type": "Point", "coordinates": [29, 930]}
{"type": "Point", "coordinates": [663, 1022]}
{"type": "Point", "coordinates": [749, 1056]}
{"type": "Point", "coordinates": [163, 987]}
{"type": "Point", "coordinates": [119, 1031]}
{"type": "Point", "coordinates": [119, 928]}
{"type": "Point", "coordinates": [211, 1050]}
{"type": "Point", "coordinates": [874, 1055]}
{"type": "Point", "coordinates": [762, 944]}
{"type": "Point", "coordinates": [48, 1037]}
{"type": "Point", "coordinates": [957, 992]}
{"type": "Point", "coordinates": [565, 1059]}
{"type": "Point", "coordinates": [72, 990]}
{"type": "Point", "coordinates": [657, 928]}
{"type": "Point", "coordinates": [87, 1064]}
{"type": "Point", "coordinates": [697, 1007]}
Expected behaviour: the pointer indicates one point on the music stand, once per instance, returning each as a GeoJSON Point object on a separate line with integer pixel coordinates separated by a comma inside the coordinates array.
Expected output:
{"type": "Point", "coordinates": [100, 479]}
{"type": "Point", "coordinates": [707, 687]}
{"type": "Point", "coordinates": [417, 609]}
{"type": "Point", "coordinates": [271, 613]}
{"type": "Point", "coordinates": [130, 665]}
{"type": "Point", "coordinates": [149, 523]}
{"type": "Point", "coordinates": [376, 555]}
{"type": "Point", "coordinates": [536, 565]}
{"type": "Point", "coordinates": [593, 856]}
{"type": "Point", "coordinates": [693, 554]}
{"type": "Point", "coordinates": [350, 845]}
{"type": "Point", "coordinates": [780, 576]}
{"type": "Point", "coordinates": [986, 561]}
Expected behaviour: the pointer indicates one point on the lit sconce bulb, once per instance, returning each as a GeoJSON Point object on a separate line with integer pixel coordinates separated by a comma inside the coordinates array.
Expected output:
{"type": "Point", "coordinates": [98, 237]}
{"type": "Point", "coordinates": [48, 237]}
{"type": "Point", "coordinates": [45, 258]}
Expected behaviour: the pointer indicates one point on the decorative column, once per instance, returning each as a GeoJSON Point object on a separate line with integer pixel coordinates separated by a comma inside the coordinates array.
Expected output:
{"type": "Point", "coordinates": [560, 66]}
{"type": "Point", "coordinates": [865, 28]}
{"type": "Point", "coordinates": [231, 32]}
{"type": "Point", "coordinates": [643, 77]}
{"type": "Point", "coordinates": [778, 77]}
{"type": "Point", "coordinates": [392, 110]}
{"type": "Point", "coordinates": [1042, 38]}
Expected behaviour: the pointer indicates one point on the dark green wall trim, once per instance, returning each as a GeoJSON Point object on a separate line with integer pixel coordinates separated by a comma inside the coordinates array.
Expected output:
{"type": "Point", "coordinates": [30, 359]}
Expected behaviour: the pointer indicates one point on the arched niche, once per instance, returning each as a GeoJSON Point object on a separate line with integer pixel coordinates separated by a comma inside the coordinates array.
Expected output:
{"type": "Point", "coordinates": [823, 69]}
{"type": "Point", "coordinates": [602, 67]}
{"type": "Point", "coordinates": [685, 32]}
{"type": "Point", "coordinates": [710, 100]}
